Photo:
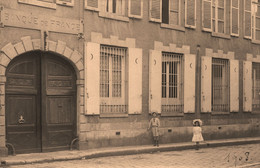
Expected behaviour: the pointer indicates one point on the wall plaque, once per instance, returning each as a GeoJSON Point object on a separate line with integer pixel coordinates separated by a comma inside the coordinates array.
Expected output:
{"type": "Point", "coordinates": [15, 18]}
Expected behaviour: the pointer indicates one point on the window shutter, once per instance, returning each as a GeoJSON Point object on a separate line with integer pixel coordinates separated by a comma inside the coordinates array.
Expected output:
{"type": "Point", "coordinates": [189, 83]}
{"type": "Point", "coordinates": [247, 89]}
{"type": "Point", "coordinates": [235, 17]}
{"type": "Point", "coordinates": [247, 19]}
{"type": "Point", "coordinates": [234, 85]}
{"type": "Point", "coordinates": [206, 67]}
{"type": "Point", "coordinates": [91, 4]}
{"type": "Point", "coordinates": [135, 8]}
{"type": "Point", "coordinates": [155, 80]}
{"type": "Point", "coordinates": [92, 77]}
{"type": "Point", "coordinates": [65, 2]}
{"type": "Point", "coordinates": [155, 13]}
{"type": "Point", "coordinates": [135, 81]}
{"type": "Point", "coordinates": [206, 15]}
{"type": "Point", "coordinates": [190, 13]}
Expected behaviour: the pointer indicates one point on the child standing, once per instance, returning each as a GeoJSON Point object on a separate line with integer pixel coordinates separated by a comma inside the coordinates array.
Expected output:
{"type": "Point", "coordinates": [155, 124]}
{"type": "Point", "coordinates": [197, 136]}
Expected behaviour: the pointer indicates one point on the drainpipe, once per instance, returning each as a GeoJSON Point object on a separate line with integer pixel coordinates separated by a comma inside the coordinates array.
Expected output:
{"type": "Point", "coordinates": [198, 84]}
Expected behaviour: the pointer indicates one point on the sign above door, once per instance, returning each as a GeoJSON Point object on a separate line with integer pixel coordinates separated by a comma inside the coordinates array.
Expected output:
{"type": "Point", "coordinates": [29, 20]}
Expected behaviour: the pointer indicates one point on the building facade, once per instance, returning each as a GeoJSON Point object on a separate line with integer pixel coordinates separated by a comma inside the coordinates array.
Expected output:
{"type": "Point", "coordinates": [92, 71]}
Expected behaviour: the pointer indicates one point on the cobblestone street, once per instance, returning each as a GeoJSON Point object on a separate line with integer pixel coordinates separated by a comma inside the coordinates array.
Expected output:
{"type": "Point", "coordinates": [230, 156]}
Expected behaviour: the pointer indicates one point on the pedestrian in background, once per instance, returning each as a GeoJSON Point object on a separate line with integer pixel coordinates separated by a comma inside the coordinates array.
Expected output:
{"type": "Point", "coordinates": [197, 135]}
{"type": "Point", "coordinates": [155, 125]}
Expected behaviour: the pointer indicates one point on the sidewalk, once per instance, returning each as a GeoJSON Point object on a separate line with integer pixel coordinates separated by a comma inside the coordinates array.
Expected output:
{"type": "Point", "coordinates": [115, 151]}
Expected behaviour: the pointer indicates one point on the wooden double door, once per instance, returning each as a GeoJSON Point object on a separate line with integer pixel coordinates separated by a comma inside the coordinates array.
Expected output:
{"type": "Point", "coordinates": [40, 103]}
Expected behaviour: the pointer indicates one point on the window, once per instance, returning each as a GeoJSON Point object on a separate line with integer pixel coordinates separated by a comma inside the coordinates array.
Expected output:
{"type": "Point", "coordinates": [112, 79]}
{"type": "Point", "coordinates": [256, 20]}
{"type": "Point", "coordinates": [174, 14]}
{"type": "Point", "coordinates": [220, 85]}
{"type": "Point", "coordinates": [48, 3]}
{"type": "Point", "coordinates": [218, 16]}
{"type": "Point", "coordinates": [114, 8]}
{"type": "Point", "coordinates": [256, 87]}
{"type": "Point", "coordinates": [171, 12]}
{"type": "Point", "coordinates": [172, 82]}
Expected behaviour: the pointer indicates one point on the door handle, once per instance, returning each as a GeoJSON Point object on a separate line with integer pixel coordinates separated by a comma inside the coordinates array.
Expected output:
{"type": "Point", "coordinates": [21, 120]}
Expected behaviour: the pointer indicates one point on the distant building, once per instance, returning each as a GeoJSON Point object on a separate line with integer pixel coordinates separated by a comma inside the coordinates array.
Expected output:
{"type": "Point", "coordinates": [96, 69]}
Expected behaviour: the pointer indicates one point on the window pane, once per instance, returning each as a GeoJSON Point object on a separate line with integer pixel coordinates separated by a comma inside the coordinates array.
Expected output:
{"type": "Point", "coordinates": [256, 86]}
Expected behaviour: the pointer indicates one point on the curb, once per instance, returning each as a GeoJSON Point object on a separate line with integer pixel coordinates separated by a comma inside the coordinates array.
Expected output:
{"type": "Point", "coordinates": [132, 151]}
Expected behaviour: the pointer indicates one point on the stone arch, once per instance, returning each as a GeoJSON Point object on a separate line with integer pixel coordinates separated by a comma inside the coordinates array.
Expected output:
{"type": "Point", "coordinates": [10, 51]}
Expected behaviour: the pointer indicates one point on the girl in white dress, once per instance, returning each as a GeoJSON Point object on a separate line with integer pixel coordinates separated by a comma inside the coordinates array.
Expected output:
{"type": "Point", "coordinates": [197, 135]}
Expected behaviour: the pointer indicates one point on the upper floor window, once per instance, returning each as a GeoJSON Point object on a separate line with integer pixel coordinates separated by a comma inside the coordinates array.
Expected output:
{"type": "Point", "coordinates": [178, 13]}
{"type": "Point", "coordinates": [218, 16]}
{"type": "Point", "coordinates": [123, 8]}
{"type": "Point", "coordinates": [48, 3]}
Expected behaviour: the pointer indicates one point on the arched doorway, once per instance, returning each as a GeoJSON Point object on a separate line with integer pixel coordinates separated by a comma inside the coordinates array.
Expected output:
{"type": "Point", "coordinates": [40, 103]}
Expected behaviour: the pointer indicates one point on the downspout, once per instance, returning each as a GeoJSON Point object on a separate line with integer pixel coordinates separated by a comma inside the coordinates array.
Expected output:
{"type": "Point", "coordinates": [198, 84]}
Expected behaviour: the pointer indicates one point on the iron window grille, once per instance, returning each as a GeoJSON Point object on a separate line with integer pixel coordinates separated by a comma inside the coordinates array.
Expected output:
{"type": "Point", "coordinates": [220, 85]}
{"type": "Point", "coordinates": [256, 87]}
{"type": "Point", "coordinates": [172, 83]}
{"type": "Point", "coordinates": [113, 79]}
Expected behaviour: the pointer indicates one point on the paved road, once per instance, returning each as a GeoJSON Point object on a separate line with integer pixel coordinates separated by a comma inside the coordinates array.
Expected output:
{"type": "Point", "coordinates": [221, 157]}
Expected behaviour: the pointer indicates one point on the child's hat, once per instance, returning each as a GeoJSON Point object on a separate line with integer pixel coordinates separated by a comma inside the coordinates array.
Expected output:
{"type": "Point", "coordinates": [197, 120]}
{"type": "Point", "coordinates": [154, 112]}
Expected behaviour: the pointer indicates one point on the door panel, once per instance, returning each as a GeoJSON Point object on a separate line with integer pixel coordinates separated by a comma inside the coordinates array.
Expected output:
{"type": "Point", "coordinates": [59, 97]}
{"type": "Point", "coordinates": [22, 104]}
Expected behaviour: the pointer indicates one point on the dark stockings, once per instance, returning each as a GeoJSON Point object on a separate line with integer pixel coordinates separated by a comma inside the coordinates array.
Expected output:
{"type": "Point", "coordinates": [156, 141]}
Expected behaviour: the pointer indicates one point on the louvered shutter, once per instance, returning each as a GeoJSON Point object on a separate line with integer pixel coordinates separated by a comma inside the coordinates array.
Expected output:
{"type": "Point", "coordinates": [92, 77]}
{"type": "Point", "coordinates": [189, 83]}
{"type": "Point", "coordinates": [155, 80]}
{"type": "Point", "coordinates": [155, 8]}
{"type": "Point", "coordinates": [92, 4]}
{"type": "Point", "coordinates": [190, 13]}
{"type": "Point", "coordinates": [247, 19]}
{"type": "Point", "coordinates": [234, 17]}
{"type": "Point", "coordinates": [135, 8]}
{"type": "Point", "coordinates": [247, 86]}
{"type": "Point", "coordinates": [206, 15]}
{"type": "Point", "coordinates": [206, 68]}
{"type": "Point", "coordinates": [234, 85]}
{"type": "Point", "coordinates": [135, 81]}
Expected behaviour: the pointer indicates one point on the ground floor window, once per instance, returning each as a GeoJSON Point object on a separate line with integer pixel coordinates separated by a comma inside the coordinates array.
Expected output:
{"type": "Point", "coordinates": [113, 79]}
{"type": "Point", "coordinates": [220, 85]}
{"type": "Point", "coordinates": [172, 82]}
{"type": "Point", "coordinates": [256, 87]}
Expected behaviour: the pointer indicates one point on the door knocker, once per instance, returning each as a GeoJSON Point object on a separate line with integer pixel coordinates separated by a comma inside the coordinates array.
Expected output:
{"type": "Point", "coordinates": [21, 120]}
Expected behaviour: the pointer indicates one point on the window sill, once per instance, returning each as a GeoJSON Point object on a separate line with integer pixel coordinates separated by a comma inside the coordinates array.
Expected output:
{"type": "Point", "coordinates": [220, 113]}
{"type": "Point", "coordinates": [172, 114]}
{"type": "Point", "coordinates": [113, 16]}
{"type": "Point", "coordinates": [224, 36]}
{"type": "Point", "coordinates": [256, 41]}
{"type": "Point", "coordinates": [39, 3]}
{"type": "Point", "coordinates": [173, 27]}
{"type": "Point", "coordinates": [113, 115]}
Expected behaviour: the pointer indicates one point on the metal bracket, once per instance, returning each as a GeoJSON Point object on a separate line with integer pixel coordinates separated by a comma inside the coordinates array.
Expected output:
{"type": "Point", "coordinates": [81, 36]}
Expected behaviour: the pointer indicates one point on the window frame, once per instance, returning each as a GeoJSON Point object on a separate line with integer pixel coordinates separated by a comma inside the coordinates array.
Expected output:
{"type": "Point", "coordinates": [111, 100]}
{"type": "Point", "coordinates": [217, 20]}
{"type": "Point", "coordinates": [172, 101]}
{"type": "Point", "coordinates": [227, 81]}
{"type": "Point", "coordinates": [254, 74]}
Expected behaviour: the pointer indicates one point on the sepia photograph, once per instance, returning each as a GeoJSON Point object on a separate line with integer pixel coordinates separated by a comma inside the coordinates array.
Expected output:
{"type": "Point", "coordinates": [129, 83]}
